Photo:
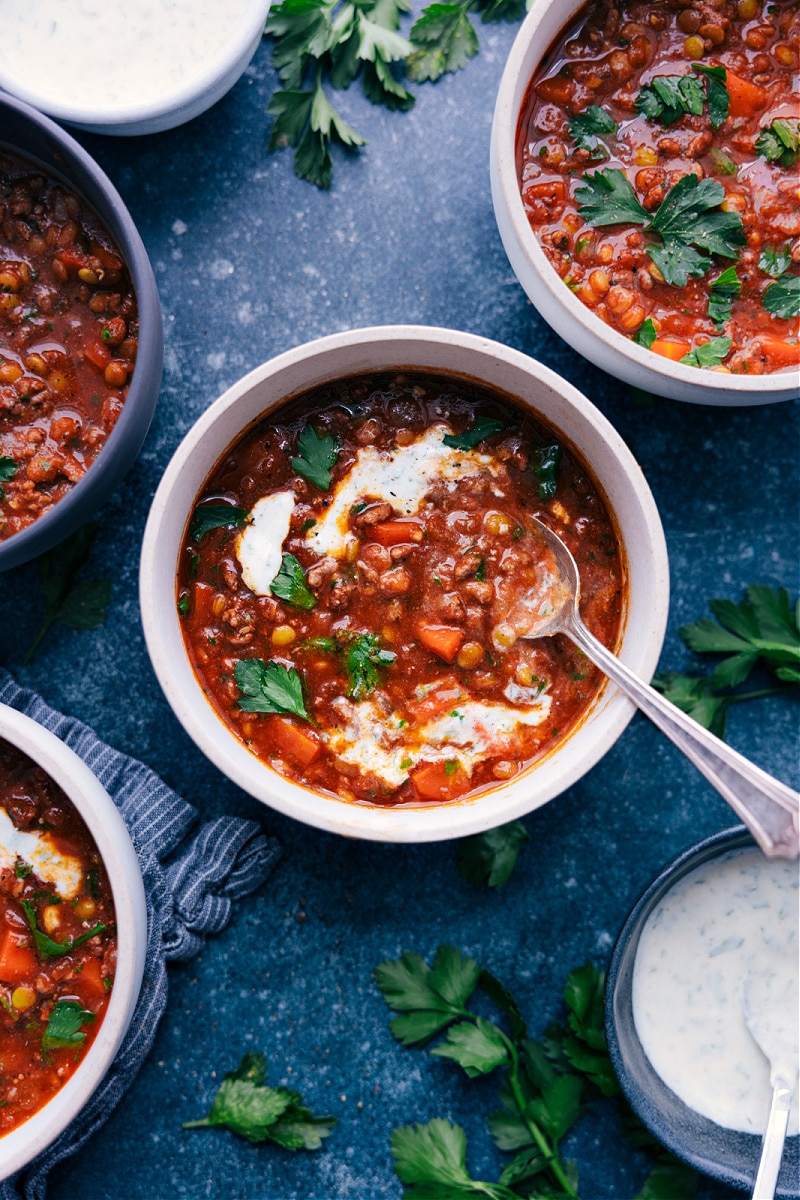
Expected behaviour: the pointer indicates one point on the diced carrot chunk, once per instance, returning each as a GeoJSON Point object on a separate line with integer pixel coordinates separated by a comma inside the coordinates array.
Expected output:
{"type": "Point", "coordinates": [668, 348]}
{"type": "Point", "coordinates": [72, 257]}
{"type": "Point", "coordinates": [395, 533]}
{"type": "Point", "coordinates": [444, 640]}
{"type": "Point", "coordinates": [746, 98]}
{"type": "Point", "coordinates": [202, 600]}
{"type": "Point", "coordinates": [433, 782]}
{"type": "Point", "coordinates": [17, 960]}
{"type": "Point", "coordinates": [98, 355]}
{"type": "Point", "coordinates": [295, 742]}
{"type": "Point", "coordinates": [90, 980]}
{"type": "Point", "coordinates": [778, 352]}
{"type": "Point", "coordinates": [557, 90]}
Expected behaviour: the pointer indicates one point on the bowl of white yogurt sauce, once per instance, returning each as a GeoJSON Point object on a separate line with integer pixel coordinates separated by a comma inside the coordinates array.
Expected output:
{"type": "Point", "coordinates": [718, 914]}
{"type": "Point", "coordinates": [121, 68]}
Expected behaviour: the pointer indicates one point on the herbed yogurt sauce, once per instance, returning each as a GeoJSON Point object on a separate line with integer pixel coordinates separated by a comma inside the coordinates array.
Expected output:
{"type": "Point", "coordinates": [732, 917]}
{"type": "Point", "coordinates": [110, 55]}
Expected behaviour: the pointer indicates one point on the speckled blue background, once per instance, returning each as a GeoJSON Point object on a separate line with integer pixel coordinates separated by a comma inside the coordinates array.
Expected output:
{"type": "Point", "coordinates": [251, 261]}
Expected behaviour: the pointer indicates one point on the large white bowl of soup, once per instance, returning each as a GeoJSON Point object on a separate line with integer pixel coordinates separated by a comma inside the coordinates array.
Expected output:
{"type": "Point", "coordinates": [73, 932]}
{"type": "Point", "coordinates": [644, 194]}
{"type": "Point", "coordinates": [327, 566]}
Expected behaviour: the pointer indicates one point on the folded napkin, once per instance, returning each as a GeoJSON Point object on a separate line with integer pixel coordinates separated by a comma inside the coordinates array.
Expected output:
{"type": "Point", "coordinates": [192, 874]}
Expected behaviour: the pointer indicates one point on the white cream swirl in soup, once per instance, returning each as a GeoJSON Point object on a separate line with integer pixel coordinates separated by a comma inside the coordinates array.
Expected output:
{"type": "Point", "coordinates": [110, 55]}
{"type": "Point", "coordinates": [730, 920]}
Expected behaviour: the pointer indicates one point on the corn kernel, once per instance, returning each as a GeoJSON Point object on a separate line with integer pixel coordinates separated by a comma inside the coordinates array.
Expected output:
{"type": "Point", "coordinates": [85, 908]}
{"type": "Point", "coordinates": [646, 156]}
{"type": "Point", "coordinates": [470, 654]}
{"type": "Point", "coordinates": [523, 674]}
{"type": "Point", "coordinates": [497, 522]}
{"type": "Point", "coordinates": [22, 998]}
{"type": "Point", "coordinates": [693, 47]}
{"type": "Point", "coordinates": [283, 635]}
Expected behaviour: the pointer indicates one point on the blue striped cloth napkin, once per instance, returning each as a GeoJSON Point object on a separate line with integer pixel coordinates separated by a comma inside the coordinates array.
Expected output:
{"type": "Point", "coordinates": [188, 897]}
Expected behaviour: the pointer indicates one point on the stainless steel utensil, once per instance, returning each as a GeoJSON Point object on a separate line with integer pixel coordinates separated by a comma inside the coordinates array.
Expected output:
{"type": "Point", "coordinates": [769, 809]}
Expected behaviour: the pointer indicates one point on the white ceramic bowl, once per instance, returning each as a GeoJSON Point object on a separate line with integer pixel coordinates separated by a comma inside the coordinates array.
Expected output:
{"type": "Point", "coordinates": [405, 348]}
{"type": "Point", "coordinates": [116, 849]}
{"type": "Point", "coordinates": [202, 76]}
{"type": "Point", "coordinates": [560, 307]}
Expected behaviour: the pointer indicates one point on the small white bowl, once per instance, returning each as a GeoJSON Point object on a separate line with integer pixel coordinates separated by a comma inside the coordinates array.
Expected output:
{"type": "Point", "coordinates": [36, 44]}
{"type": "Point", "coordinates": [113, 841]}
{"type": "Point", "coordinates": [405, 348]}
{"type": "Point", "coordinates": [576, 323]}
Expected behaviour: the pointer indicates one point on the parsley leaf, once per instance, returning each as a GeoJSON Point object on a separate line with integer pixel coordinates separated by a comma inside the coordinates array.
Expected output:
{"type": "Point", "coordinates": [723, 291]}
{"type": "Point", "coordinates": [8, 469]}
{"type": "Point", "coordinates": [290, 584]}
{"type": "Point", "coordinates": [216, 516]}
{"type": "Point", "coordinates": [269, 688]}
{"type": "Point", "coordinates": [428, 998]}
{"type": "Point", "coordinates": [45, 945]}
{"type": "Point", "coordinates": [476, 1046]}
{"type": "Point", "coordinates": [667, 97]}
{"type": "Point", "coordinates": [775, 260]}
{"type": "Point", "coordinates": [307, 121]}
{"type": "Point", "coordinates": [782, 298]}
{"type": "Point", "coordinates": [544, 464]}
{"type": "Point", "coordinates": [606, 198]}
{"type": "Point", "coordinates": [444, 40]}
{"type": "Point", "coordinates": [646, 334]}
{"type": "Point", "coordinates": [432, 1159]}
{"type": "Point", "coordinates": [717, 93]}
{"type": "Point", "coordinates": [760, 627]}
{"type": "Point", "coordinates": [316, 456]}
{"type": "Point", "coordinates": [710, 354]}
{"type": "Point", "coordinates": [364, 657]}
{"type": "Point", "coordinates": [589, 127]}
{"type": "Point", "coordinates": [490, 857]}
{"type": "Point", "coordinates": [483, 428]}
{"type": "Point", "coordinates": [694, 695]}
{"type": "Point", "coordinates": [248, 1107]}
{"type": "Point", "coordinates": [64, 1025]}
{"type": "Point", "coordinates": [685, 215]}
{"type": "Point", "coordinates": [76, 603]}
{"type": "Point", "coordinates": [780, 142]}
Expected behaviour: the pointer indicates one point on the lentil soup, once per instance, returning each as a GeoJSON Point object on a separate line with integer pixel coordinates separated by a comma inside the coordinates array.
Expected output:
{"type": "Point", "coordinates": [68, 340]}
{"type": "Point", "coordinates": [346, 573]}
{"type": "Point", "coordinates": [657, 152]}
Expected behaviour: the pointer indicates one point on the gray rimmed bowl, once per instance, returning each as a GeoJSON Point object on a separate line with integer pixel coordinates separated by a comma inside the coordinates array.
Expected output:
{"type": "Point", "coordinates": [25, 130]}
{"type": "Point", "coordinates": [724, 1154]}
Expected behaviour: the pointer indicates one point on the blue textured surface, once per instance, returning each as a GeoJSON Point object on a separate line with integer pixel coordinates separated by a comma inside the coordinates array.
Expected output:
{"type": "Point", "coordinates": [251, 261]}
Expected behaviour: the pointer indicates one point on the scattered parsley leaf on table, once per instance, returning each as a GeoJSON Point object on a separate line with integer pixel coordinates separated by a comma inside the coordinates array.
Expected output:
{"type": "Point", "coordinates": [710, 354]}
{"type": "Point", "coordinates": [316, 456]}
{"type": "Point", "coordinates": [694, 695]}
{"type": "Point", "coordinates": [269, 688]}
{"type": "Point", "coordinates": [490, 857]}
{"type": "Point", "coordinates": [483, 428]}
{"type": "Point", "coordinates": [588, 129]}
{"type": "Point", "coordinates": [782, 298]}
{"type": "Point", "coordinates": [290, 584]}
{"type": "Point", "coordinates": [215, 516]}
{"type": "Point", "coordinates": [444, 40]}
{"type": "Point", "coordinates": [64, 1025]}
{"type": "Point", "coordinates": [76, 603]}
{"type": "Point", "coordinates": [248, 1107]}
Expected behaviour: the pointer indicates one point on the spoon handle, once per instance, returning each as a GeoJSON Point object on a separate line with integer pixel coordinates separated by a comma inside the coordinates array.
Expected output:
{"type": "Point", "coordinates": [769, 809]}
{"type": "Point", "coordinates": [772, 1146]}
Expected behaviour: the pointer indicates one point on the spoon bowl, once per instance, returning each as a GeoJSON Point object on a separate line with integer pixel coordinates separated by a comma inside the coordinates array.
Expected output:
{"type": "Point", "coordinates": [771, 1004]}
{"type": "Point", "coordinates": [769, 809]}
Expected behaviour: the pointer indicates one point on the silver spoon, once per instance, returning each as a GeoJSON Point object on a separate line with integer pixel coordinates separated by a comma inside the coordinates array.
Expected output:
{"type": "Point", "coordinates": [770, 1013]}
{"type": "Point", "coordinates": [769, 809]}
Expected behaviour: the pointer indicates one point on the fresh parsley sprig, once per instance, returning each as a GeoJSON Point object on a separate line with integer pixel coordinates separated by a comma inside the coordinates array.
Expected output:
{"type": "Point", "coordinates": [667, 98]}
{"type": "Point", "coordinates": [782, 298]}
{"type": "Point", "coordinates": [483, 428]}
{"type": "Point", "coordinates": [248, 1107]}
{"type": "Point", "coordinates": [544, 464]}
{"type": "Point", "coordinates": [8, 469]}
{"type": "Point", "coordinates": [762, 629]}
{"type": "Point", "coordinates": [76, 603]}
{"type": "Point", "coordinates": [490, 857]}
{"type": "Point", "coordinates": [290, 584]}
{"type": "Point", "coordinates": [780, 142]}
{"type": "Point", "coordinates": [722, 292]}
{"type": "Point", "coordinates": [589, 128]}
{"type": "Point", "coordinates": [708, 354]}
{"type": "Point", "coordinates": [689, 223]}
{"type": "Point", "coordinates": [45, 945]}
{"type": "Point", "coordinates": [362, 654]}
{"type": "Point", "coordinates": [542, 1093]}
{"type": "Point", "coordinates": [775, 260]}
{"type": "Point", "coordinates": [207, 517]}
{"type": "Point", "coordinates": [63, 1029]}
{"type": "Point", "coordinates": [269, 688]}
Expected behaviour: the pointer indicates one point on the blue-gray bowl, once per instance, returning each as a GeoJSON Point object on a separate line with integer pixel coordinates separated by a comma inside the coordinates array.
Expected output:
{"type": "Point", "coordinates": [24, 129]}
{"type": "Point", "coordinates": [723, 1154]}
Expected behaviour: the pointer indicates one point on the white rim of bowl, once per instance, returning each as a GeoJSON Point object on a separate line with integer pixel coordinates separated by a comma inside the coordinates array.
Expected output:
{"type": "Point", "coordinates": [113, 841]}
{"type": "Point", "coordinates": [417, 348]}
{"type": "Point", "coordinates": [228, 53]}
{"type": "Point", "coordinates": [552, 16]}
